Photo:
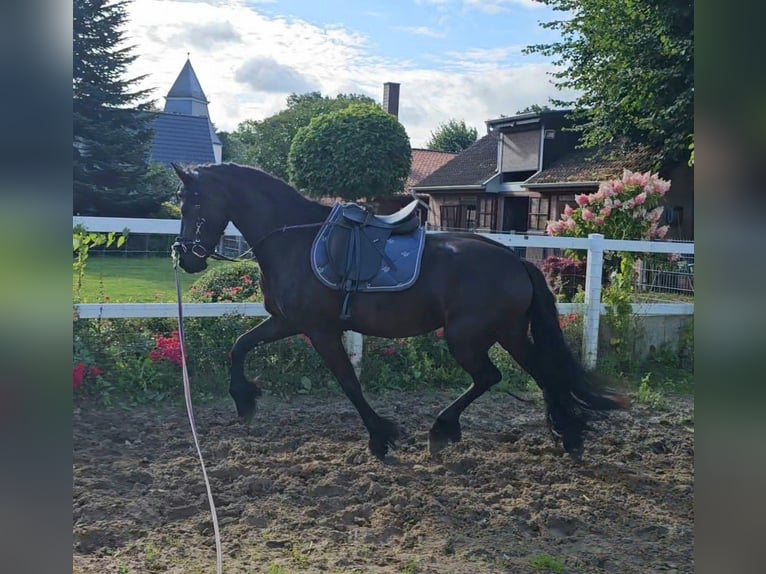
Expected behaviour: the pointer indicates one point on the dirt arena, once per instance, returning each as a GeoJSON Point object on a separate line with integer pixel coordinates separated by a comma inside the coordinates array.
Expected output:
{"type": "Point", "coordinates": [300, 492]}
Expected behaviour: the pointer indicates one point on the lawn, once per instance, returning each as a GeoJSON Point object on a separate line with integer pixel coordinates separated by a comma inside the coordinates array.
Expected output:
{"type": "Point", "coordinates": [132, 280]}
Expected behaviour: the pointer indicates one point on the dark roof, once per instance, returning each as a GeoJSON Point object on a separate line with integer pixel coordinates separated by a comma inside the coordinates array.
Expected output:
{"type": "Point", "coordinates": [187, 85]}
{"type": "Point", "coordinates": [424, 163]}
{"type": "Point", "coordinates": [472, 166]}
{"type": "Point", "coordinates": [182, 139]}
{"type": "Point", "coordinates": [595, 164]}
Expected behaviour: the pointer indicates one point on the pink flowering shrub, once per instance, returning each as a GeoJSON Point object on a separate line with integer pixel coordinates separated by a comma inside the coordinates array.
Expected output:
{"type": "Point", "coordinates": [230, 283]}
{"type": "Point", "coordinates": [626, 208]}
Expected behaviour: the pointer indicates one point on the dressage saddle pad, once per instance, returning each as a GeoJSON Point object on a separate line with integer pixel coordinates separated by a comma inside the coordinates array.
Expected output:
{"type": "Point", "coordinates": [358, 251]}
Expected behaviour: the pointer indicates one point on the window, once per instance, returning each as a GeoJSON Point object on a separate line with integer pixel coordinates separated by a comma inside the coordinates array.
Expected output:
{"type": "Point", "coordinates": [561, 202]}
{"type": "Point", "coordinates": [486, 217]}
{"type": "Point", "coordinates": [539, 213]}
{"type": "Point", "coordinates": [469, 213]}
{"type": "Point", "coordinates": [469, 221]}
{"type": "Point", "coordinates": [450, 217]}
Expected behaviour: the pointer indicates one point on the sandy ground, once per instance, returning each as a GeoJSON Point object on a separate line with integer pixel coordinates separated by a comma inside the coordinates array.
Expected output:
{"type": "Point", "coordinates": [299, 492]}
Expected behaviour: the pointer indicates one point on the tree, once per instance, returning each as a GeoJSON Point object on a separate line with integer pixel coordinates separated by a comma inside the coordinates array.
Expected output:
{"type": "Point", "coordinates": [160, 181]}
{"type": "Point", "coordinates": [360, 151]}
{"type": "Point", "coordinates": [633, 64]}
{"type": "Point", "coordinates": [268, 141]}
{"type": "Point", "coordinates": [234, 149]}
{"type": "Point", "coordinates": [452, 136]}
{"type": "Point", "coordinates": [534, 108]}
{"type": "Point", "coordinates": [111, 126]}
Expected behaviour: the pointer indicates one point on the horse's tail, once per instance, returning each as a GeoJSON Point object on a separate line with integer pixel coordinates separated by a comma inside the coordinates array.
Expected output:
{"type": "Point", "coordinates": [560, 375]}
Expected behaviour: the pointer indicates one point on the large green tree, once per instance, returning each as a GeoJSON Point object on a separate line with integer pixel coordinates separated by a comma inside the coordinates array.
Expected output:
{"type": "Point", "coordinates": [268, 141]}
{"type": "Point", "coordinates": [233, 149]}
{"type": "Point", "coordinates": [358, 152]}
{"type": "Point", "coordinates": [632, 62]}
{"type": "Point", "coordinates": [111, 126]}
{"type": "Point", "coordinates": [452, 136]}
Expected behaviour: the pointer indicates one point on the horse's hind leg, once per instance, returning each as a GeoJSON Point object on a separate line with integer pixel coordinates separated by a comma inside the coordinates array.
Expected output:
{"type": "Point", "coordinates": [383, 432]}
{"type": "Point", "coordinates": [245, 392]}
{"type": "Point", "coordinates": [471, 354]}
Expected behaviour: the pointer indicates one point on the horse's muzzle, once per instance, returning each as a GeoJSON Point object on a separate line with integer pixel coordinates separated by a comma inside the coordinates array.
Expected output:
{"type": "Point", "coordinates": [192, 256]}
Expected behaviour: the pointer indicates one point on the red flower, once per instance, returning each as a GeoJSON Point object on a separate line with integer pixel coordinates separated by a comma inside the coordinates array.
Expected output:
{"type": "Point", "coordinates": [389, 350]}
{"type": "Point", "coordinates": [167, 348]}
{"type": "Point", "coordinates": [94, 372]}
{"type": "Point", "coordinates": [78, 375]}
{"type": "Point", "coordinates": [567, 320]}
{"type": "Point", "coordinates": [440, 332]}
{"type": "Point", "coordinates": [247, 280]}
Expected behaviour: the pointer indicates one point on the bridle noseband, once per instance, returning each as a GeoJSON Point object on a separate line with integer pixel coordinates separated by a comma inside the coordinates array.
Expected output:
{"type": "Point", "coordinates": [195, 245]}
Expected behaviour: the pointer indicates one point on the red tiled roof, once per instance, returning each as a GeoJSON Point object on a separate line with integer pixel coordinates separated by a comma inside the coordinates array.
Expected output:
{"type": "Point", "coordinates": [473, 166]}
{"type": "Point", "coordinates": [424, 163]}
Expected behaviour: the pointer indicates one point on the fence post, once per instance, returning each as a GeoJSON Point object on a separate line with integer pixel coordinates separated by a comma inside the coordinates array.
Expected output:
{"type": "Point", "coordinates": [354, 345]}
{"type": "Point", "coordinates": [593, 271]}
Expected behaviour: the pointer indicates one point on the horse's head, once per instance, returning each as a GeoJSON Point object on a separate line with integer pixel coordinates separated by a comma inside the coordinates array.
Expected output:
{"type": "Point", "coordinates": [203, 220]}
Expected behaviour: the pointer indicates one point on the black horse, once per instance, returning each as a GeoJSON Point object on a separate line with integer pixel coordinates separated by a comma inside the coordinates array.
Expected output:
{"type": "Point", "coordinates": [478, 290]}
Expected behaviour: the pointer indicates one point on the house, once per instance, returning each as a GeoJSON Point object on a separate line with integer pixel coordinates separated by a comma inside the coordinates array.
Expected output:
{"type": "Point", "coordinates": [527, 168]}
{"type": "Point", "coordinates": [183, 132]}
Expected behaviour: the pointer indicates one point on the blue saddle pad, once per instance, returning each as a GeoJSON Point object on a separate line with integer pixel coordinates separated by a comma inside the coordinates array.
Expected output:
{"type": "Point", "coordinates": [398, 269]}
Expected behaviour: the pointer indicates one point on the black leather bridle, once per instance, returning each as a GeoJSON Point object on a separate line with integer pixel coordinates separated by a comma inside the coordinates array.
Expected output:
{"type": "Point", "coordinates": [195, 246]}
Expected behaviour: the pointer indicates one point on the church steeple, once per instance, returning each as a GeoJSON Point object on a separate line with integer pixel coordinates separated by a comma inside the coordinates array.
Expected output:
{"type": "Point", "coordinates": [186, 95]}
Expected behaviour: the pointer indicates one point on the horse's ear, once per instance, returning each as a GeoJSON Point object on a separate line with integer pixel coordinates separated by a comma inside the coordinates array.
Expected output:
{"type": "Point", "coordinates": [187, 178]}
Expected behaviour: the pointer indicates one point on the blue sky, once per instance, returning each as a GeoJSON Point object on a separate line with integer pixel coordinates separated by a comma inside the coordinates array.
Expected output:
{"type": "Point", "coordinates": [454, 59]}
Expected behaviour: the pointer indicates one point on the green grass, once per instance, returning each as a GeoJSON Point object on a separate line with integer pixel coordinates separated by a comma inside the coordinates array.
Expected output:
{"type": "Point", "coordinates": [546, 563]}
{"type": "Point", "coordinates": [132, 280]}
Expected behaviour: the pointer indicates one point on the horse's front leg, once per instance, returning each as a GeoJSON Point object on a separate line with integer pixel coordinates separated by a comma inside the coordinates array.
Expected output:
{"type": "Point", "coordinates": [383, 432]}
{"type": "Point", "coordinates": [245, 392]}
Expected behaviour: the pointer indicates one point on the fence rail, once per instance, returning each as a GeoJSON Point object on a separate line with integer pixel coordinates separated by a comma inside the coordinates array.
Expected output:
{"type": "Point", "coordinates": [592, 309]}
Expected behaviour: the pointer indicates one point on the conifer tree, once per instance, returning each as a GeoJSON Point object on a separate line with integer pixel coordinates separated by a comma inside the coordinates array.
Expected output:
{"type": "Point", "coordinates": [111, 124]}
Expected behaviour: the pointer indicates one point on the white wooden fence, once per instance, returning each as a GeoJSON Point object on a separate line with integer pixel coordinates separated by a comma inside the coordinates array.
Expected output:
{"type": "Point", "coordinates": [592, 309]}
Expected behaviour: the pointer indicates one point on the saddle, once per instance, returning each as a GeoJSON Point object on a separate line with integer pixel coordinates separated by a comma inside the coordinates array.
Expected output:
{"type": "Point", "coordinates": [357, 250]}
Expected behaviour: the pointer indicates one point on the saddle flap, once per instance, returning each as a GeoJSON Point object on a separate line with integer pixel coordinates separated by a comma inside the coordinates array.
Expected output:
{"type": "Point", "coordinates": [355, 253]}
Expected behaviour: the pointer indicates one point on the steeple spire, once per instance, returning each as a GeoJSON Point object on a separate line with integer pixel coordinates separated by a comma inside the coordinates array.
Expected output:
{"type": "Point", "coordinates": [186, 95]}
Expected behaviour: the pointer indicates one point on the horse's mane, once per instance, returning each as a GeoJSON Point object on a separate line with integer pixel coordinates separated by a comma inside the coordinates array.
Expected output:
{"type": "Point", "coordinates": [253, 176]}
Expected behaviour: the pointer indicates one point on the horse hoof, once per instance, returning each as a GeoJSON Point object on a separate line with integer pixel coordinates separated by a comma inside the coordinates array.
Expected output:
{"type": "Point", "coordinates": [575, 450]}
{"type": "Point", "coordinates": [246, 414]}
{"type": "Point", "coordinates": [383, 436]}
{"type": "Point", "coordinates": [378, 449]}
{"type": "Point", "coordinates": [441, 434]}
{"type": "Point", "coordinates": [436, 443]}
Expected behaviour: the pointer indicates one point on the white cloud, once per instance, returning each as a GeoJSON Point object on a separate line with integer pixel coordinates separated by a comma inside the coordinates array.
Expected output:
{"type": "Point", "coordinates": [209, 35]}
{"type": "Point", "coordinates": [498, 6]}
{"type": "Point", "coordinates": [421, 31]}
{"type": "Point", "coordinates": [270, 76]}
{"type": "Point", "coordinates": [250, 62]}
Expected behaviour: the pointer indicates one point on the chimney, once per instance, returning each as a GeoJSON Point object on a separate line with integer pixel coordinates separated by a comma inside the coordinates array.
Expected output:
{"type": "Point", "coordinates": [391, 98]}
